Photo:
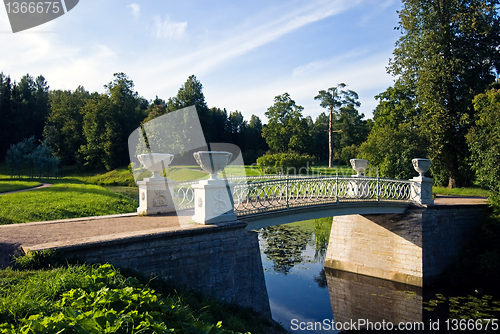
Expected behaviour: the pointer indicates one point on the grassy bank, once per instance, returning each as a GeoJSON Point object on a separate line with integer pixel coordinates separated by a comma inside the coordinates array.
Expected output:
{"type": "Point", "coordinates": [99, 299]}
{"type": "Point", "coordinates": [6, 186]}
{"type": "Point", "coordinates": [468, 192]}
{"type": "Point", "coordinates": [62, 200]}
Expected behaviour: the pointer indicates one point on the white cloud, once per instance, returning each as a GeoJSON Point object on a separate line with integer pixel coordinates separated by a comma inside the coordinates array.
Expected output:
{"type": "Point", "coordinates": [135, 10]}
{"type": "Point", "coordinates": [216, 55]}
{"type": "Point", "coordinates": [319, 66]}
{"type": "Point", "coordinates": [366, 75]}
{"type": "Point", "coordinates": [375, 13]}
{"type": "Point", "coordinates": [258, 31]}
{"type": "Point", "coordinates": [169, 29]}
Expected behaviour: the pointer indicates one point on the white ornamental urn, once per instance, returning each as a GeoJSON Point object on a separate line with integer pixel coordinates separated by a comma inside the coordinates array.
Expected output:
{"type": "Point", "coordinates": [155, 162]}
{"type": "Point", "coordinates": [359, 165]}
{"type": "Point", "coordinates": [213, 161]}
{"type": "Point", "coordinates": [421, 165]}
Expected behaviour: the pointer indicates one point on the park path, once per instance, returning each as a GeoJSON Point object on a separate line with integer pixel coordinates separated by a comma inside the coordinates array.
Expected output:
{"type": "Point", "coordinates": [459, 200]}
{"type": "Point", "coordinates": [44, 185]}
{"type": "Point", "coordinates": [86, 230]}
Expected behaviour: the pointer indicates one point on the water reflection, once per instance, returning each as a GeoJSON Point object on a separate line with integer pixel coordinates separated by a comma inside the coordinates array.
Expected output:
{"type": "Point", "coordinates": [294, 272]}
{"type": "Point", "coordinates": [285, 246]}
{"type": "Point", "coordinates": [357, 297]}
{"type": "Point", "coordinates": [301, 290]}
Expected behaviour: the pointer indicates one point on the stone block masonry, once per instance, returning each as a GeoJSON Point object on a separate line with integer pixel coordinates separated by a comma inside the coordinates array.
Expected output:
{"type": "Point", "coordinates": [412, 248]}
{"type": "Point", "coordinates": [218, 260]}
{"type": "Point", "coordinates": [446, 229]}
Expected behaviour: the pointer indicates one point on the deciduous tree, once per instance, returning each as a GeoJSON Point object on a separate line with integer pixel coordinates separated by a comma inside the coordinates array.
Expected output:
{"type": "Point", "coordinates": [484, 139]}
{"type": "Point", "coordinates": [343, 119]}
{"type": "Point", "coordinates": [395, 138]}
{"type": "Point", "coordinates": [449, 52]}
{"type": "Point", "coordinates": [334, 98]}
{"type": "Point", "coordinates": [286, 129]}
{"type": "Point", "coordinates": [108, 121]}
{"type": "Point", "coordinates": [63, 130]}
{"type": "Point", "coordinates": [191, 93]}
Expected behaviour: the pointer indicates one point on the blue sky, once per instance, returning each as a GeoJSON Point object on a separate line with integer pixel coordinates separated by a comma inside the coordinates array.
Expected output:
{"type": "Point", "coordinates": [244, 52]}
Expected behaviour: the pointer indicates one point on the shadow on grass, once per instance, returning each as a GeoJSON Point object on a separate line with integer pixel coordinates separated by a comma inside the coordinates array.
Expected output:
{"type": "Point", "coordinates": [7, 251]}
{"type": "Point", "coordinates": [80, 190]}
{"type": "Point", "coordinates": [8, 221]}
{"type": "Point", "coordinates": [46, 180]}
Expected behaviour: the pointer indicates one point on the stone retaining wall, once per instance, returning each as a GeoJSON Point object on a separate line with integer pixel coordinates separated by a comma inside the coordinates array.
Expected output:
{"type": "Point", "coordinates": [219, 260]}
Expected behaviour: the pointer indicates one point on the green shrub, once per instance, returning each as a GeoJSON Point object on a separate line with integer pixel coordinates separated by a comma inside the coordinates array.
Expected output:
{"type": "Point", "coordinates": [285, 163]}
{"type": "Point", "coordinates": [29, 155]}
{"type": "Point", "coordinates": [36, 260]}
{"type": "Point", "coordinates": [348, 153]}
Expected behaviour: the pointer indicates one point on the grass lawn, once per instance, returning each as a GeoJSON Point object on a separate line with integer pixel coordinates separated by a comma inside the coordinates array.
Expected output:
{"type": "Point", "coordinates": [473, 192]}
{"type": "Point", "coordinates": [342, 170]}
{"type": "Point", "coordinates": [185, 173]}
{"type": "Point", "coordinates": [123, 177]}
{"type": "Point", "coordinates": [6, 186]}
{"type": "Point", "coordinates": [117, 177]}
{"type": "Point", "coordinates": [62, 200]}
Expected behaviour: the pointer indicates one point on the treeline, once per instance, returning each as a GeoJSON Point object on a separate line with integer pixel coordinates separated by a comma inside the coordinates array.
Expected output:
{"type": "Point", "coordinates": [289, 131]}
{"type": "Point", "coordinates": [24, 108]}
{"type": "Point", "coordinates": [446, 66]}
{"type": "Point", "coordinates": [92, 129]}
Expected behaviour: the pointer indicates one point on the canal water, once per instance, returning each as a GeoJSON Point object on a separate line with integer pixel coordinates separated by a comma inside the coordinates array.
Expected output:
{"type": "Point", "coordinates": [307, 298]}
{"type": "Point", "coordinates": [293, 257]}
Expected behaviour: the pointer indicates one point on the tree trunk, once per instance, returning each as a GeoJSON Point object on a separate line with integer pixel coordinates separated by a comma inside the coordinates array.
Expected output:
{"type": "Point", "coordinates": [452, 182]}
{"type": "Point", "coordinates": [455, 179]}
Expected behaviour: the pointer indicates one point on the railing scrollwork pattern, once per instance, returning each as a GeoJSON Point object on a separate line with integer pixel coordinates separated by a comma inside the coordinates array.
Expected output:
{"type": "Point", "coordinates": [253, 195]}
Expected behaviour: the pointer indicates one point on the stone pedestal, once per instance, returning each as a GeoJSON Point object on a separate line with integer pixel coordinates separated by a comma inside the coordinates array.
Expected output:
{"type": "Point", "coordinates": [421, 190]}
{"type": "Point", "coordinates": [213, 202]}
{"type": "Point", "coordinates": [155, 196]}
{"type": "Point", "coordinates": [358, 188]}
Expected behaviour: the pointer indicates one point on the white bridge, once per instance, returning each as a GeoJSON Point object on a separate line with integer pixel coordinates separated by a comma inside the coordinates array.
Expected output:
{"type": "Point", "coordinates": [385, 228]}
{"type": "Point", "coordinates": [277, 199]}
{"type": "Point", "coordinates": [272, 200]}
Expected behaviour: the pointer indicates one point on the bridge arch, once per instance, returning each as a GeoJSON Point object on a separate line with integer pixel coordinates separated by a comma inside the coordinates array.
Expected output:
{"type": "Point", "coordinates": [285, 216]}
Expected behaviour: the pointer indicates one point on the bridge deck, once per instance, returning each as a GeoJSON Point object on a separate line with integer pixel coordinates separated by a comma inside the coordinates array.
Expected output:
{"type": "Point", "coordinates": [94, 229]}
{"type": "Point", "coordinates": [86, 230]}
{"type": "Point", "coordinates": [462, 200]}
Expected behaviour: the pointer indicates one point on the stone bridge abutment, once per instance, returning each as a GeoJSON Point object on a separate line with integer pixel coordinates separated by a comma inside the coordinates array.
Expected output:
{"type": "Point", "coordinates": [413, 247]}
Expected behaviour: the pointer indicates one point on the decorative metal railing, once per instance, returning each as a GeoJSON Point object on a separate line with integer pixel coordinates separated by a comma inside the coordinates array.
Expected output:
{"type": "Point", "coordinates": [253, 195]}
{"type": "Point", "coordinates": [184, 195]}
